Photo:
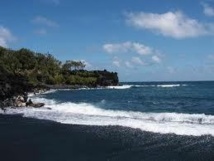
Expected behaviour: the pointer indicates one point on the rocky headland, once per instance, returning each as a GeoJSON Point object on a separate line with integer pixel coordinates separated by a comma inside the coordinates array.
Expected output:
{"type": "Point", "coordinates": [23, 72]}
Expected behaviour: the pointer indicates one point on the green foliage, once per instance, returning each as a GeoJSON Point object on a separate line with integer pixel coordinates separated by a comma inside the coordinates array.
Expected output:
{"type": "Point", "coordinates": [45, 69]}
{"type": "Point", "coordinates": [58, 79]}
{"type": "Point", "coordinates": [73, 65]}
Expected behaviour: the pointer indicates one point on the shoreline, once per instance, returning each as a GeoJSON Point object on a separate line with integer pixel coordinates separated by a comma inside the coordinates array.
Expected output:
{"type": "Point", "coordinates": [78, 86]}
{"type": "Point", "coordinates": [37, 90]}
{"type": "Point", "coordinates": [25, 139]}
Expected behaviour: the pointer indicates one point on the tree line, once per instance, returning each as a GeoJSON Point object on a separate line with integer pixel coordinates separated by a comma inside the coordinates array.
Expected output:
{"type": "Point", "coordinates": [46, 69]}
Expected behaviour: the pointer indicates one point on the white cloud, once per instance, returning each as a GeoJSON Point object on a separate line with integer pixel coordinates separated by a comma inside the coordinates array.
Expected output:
{"type": "Point", "coordinates": [141, 49]}
{"type": "Point", "coordinates": [171, 24]}
{"type": "Point", "coordinates": [128, 47]}
{"type": "Point", "coordinates": [40, 20]}
{"type": "Point", "coordinates": [138, 54]}
{"type": "Point", "coordinates": [117, 48]}
{"type": "Point", "coordinates": [156, 59]}
{"type": "Point", "coordinates": [137, 61]}
{"type": "Point", "coordinates": [5, 36]}
{"type": "Point", "coordinates": [208, 10]}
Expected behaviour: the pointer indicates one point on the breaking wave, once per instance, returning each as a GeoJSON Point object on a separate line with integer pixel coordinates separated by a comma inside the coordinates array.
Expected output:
{"type": "Point", "coordinates": [144, 86]}
{"type": "Point", "coordinates": [170, 85]}
{"type": "Point", "coordinates": [125, 86]}
{"type": "Point", "coordinates": [88, 114]}
{"type": "Point", "coordinates": [120, 87]}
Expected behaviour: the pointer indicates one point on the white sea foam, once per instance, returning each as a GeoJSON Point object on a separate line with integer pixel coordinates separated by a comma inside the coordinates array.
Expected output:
{"type": "Point", "coordinates": [31, 94]}
{"type": "Point", "coordinates": [120, 87]}
{"type": "Point", "coordinates": [88, 114]}
{"type": "Point", "coordinates": [49, 91]}
{"type": "Point", "coordinates": [168, 85]}
{"type": "Point", "coordinates": [144, 86]}
{"type": "Point", "coordinates": [125, 86]}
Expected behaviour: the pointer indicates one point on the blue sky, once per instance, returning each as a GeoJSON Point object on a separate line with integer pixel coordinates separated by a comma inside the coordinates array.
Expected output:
{"type": "Point", "coordinates": [142, 40]}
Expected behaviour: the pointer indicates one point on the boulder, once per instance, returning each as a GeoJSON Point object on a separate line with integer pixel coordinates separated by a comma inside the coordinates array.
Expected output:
{"type": "Point", "coordinates": [19, 101]}
{"type": "Point", "coordinates": [37, 105]}
{"type": "Point", "coordinates": [20, 104]}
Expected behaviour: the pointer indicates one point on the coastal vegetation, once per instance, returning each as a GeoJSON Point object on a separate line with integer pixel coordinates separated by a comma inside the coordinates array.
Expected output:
{"type": "Point", "coordinates": [45, 69]}
{"type": "Point", "coordinates": [22, 70]}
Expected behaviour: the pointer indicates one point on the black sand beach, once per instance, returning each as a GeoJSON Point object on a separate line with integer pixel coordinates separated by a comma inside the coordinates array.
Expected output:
{"type": "Point", "coordinates": [24, 139]}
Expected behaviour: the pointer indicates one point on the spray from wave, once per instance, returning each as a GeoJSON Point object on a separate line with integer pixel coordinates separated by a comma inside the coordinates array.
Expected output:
{"type": "Point", "coordinates": [88, 114]}
{"type": "Point", "coordinates": [144, 86]}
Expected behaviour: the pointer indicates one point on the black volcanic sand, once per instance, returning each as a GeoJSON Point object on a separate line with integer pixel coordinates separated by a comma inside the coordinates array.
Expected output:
{"type": "Point", "coordinates": [24, 139]}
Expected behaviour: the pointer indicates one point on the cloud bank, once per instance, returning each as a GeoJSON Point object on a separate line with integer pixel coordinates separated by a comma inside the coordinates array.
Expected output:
{"type": "Point", "coordinates": [170, 24]}
{"type": "Point", "coordinates": [137, 54]}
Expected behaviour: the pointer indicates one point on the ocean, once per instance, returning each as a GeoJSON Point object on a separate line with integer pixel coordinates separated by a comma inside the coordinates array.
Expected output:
{"type": "Point", "coordinates": [134, 121]}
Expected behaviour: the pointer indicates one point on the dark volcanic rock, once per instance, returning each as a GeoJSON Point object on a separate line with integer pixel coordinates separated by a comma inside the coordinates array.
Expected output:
{"type": "Point", "coordinates": [11, 85]}
{"type": "Point", "coordinates": [37, 105]}
{"type": "Point", "coordinates": [106, 78]}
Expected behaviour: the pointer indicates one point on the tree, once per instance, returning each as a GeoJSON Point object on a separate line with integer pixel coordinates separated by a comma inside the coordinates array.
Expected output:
{"type": "Point", "coordinates": [81, 65]}
{"type": "Point", "coordinates": [67, 65]}
{"type": "Point", "coordinates": [26, 58]}
{"type": "Point", "coordinates": [73, 65]}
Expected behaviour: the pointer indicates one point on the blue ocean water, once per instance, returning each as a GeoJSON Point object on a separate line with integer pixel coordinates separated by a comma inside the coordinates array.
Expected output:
{"type": "Point", "coordinates": [133, 121]}
{"type": "Point", "coordinates": [182, 108]}
{"type": "Point", "coordinates": [179, 97]}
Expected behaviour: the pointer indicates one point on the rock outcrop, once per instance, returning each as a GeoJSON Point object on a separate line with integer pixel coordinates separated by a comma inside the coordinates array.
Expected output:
{"type": "Point", "coordinates": [23, 101]}
{"type": "Point", "coordinates": [106, 78]}
{"type": "Point", "coordinates": [14, 88]}
{"type": "Point", "coordinates": [18, 102]}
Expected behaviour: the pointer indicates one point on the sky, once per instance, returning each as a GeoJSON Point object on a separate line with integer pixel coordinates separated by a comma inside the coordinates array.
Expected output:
{"type": "Point", "coordinates": [142, 40]}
